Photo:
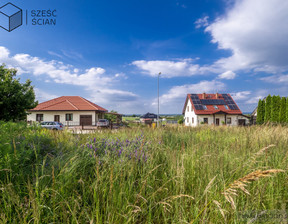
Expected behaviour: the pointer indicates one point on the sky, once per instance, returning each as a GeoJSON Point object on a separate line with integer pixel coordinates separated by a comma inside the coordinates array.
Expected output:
{"type": "Point", "coordinates": [111, 52]}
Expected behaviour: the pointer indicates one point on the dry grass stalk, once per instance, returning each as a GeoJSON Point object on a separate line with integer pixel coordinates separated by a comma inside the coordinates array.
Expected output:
{"type": "Point", "coordinates": [262, 151]}
{"type": "Point", "coordinates": [209, 185]}
{"type": "Point", "coordinates": [220, 209]}
{"type": "Point", "coordinates": [242, 183]}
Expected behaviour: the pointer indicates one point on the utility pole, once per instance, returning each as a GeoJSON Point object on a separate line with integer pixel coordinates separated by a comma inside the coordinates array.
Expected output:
{"type": "Point", "coordinates": [158, 100]}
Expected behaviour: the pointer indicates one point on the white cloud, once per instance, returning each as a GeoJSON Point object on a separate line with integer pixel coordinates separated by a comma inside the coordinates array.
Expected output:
{"type": "Point", "coordinates": [168, 69]}
{"type": "Point", "coordinates": [42, 96]}
{"type": "Point", "coordinates": [174, 99]}
{"type": "Point", "coordinates": [100, 86]}
{"type": "Point", "coordinates": [243, 95]}
{"type": "Point", "coordinates": [279, 79]}
{"type": "Point", "coordinates": [202, 22]}
{"type": "Point", "coordinates": [256, 33]}
{"type": "Point", "coordinates": [120, 75]}
{"type": "Point", "coordinates": [227, 75]}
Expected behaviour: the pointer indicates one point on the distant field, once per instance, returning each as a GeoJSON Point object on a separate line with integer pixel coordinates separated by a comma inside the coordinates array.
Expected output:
{"type": "Point", "coordinates": [130, 118]}
{"type": "Point", "coordinates": [143, 175]}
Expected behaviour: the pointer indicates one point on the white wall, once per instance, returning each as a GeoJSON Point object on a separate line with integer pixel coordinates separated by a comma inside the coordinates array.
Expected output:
{"type": "Point", "coordinates": [234, 119]}
{"type": "Point", "coordinates": [189, 114]}
{"type": "Point", "coordinates": [49, 116]}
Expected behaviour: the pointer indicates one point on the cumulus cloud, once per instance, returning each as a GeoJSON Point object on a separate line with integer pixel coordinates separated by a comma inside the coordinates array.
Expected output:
{"type": "Point", "coordinates": [243, 95]}
{"type": "Point", "coordinates": [174, 99]}
{"type": "Point", "coordinates": [227, 75]}
{"type": "Point", "coordinates": [100, 86]}
{"type": "Point", "coordinates": [256, 33]}
{"type": "Point", "coordinates": [168, 69]}
{"type": "Point", "coordinates": [56, 70]}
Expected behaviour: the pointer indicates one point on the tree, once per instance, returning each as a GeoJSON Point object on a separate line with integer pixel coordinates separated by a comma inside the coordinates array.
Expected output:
{"type": "Point", "coordinates": [274, 111]}
{"type": "Point", "coordinates": [268, 109]}
{"type": "Point", "coordinates": [275, 108]}
{"type": "Point", "coordinates": [111, 117]}
{"type": "Point", "coordinates": [282, 114]}
{"type": "Point", "coordinates": [260, 112]}
{"type": "Point", "coordinates": [287, 110]}
{"type": "Point", "coordinates": [15, 97]}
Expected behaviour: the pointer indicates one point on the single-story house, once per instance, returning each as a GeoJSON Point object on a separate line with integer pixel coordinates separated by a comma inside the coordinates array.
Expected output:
{"type": "Point", "coordinates": [69, 110]}
{"type": "Point", "coordinates": [148, 118]}
{"type": "Point", "coordinates": [217, 109]}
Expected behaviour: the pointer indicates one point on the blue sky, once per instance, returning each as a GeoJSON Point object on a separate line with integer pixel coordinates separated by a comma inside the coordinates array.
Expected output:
{"type": "Point", "coordinates": [110, 52]}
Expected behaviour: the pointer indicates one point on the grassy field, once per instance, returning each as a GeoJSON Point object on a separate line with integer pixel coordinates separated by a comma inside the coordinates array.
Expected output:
{"type": "Point", "coordinates": [140, 175]}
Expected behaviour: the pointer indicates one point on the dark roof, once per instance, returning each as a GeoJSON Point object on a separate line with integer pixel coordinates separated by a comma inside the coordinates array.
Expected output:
{"type": "Point", "coordinates": [204, 103]}
{"type": "Point", "coordinates": [149, 115]}
{"type": "Point", "coordinates": [68, 103]}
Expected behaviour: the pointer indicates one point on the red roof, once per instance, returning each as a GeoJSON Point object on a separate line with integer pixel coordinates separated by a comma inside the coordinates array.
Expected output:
{"type": "Point", "coordinates": [68, 103]}
{"type": "Point", "coordinates": [210, 108]}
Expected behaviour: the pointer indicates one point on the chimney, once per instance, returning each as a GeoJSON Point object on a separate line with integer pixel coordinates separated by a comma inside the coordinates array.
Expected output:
{"type": "Point", "coordinates": [204, 95]}
{"type": "Point", "coordinates": [217, 95]}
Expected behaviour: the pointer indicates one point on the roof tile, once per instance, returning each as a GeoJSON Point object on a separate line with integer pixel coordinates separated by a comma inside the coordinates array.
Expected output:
{"type": "Point", "coordinates": [68, 103]}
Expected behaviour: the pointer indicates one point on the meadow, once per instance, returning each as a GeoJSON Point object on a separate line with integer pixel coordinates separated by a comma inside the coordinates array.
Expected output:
{"type": "Point", "coordinates": [141, 175]}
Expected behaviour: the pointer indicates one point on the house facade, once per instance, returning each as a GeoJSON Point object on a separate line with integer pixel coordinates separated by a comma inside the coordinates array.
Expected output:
{"type": "Point", "coordinates": [69, 110]}
{"type": "Point", "coordinates": [216, 109]}
{"type": "Point", "coordinates": [148, 118]}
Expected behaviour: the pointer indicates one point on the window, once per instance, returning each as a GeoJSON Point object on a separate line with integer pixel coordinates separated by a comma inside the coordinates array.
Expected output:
{"type": "Point", "coordinates": [228, 120]}
{"type": "Point", "coordinates": [39, 117]}
{"type": "Point", "coordinates": [69, 117]}
{"type": "Point", "coordinates": [187, 119]}
{"type": "Point", "coordinates": [188, 108]}
{"type": "Point", "coordinates": [204, 106]}
{"type": "Point", "coordinates": [192, 120]}
{"type": "Point", "coordinates": [226, 107]}
{"type": "Point", "coordinates": [215, 107]}
{"type": "Point", "coordinates": [205, 120]}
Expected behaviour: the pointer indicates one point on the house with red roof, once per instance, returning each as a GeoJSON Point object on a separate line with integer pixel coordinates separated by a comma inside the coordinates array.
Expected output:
{"type": "Point", "coordinates": [217, 109]}
{"type": "Point", "coordinates": [69, 110]}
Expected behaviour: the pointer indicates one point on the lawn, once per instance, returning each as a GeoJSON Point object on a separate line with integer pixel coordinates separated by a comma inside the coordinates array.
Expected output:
{"type": "Point", "coordinates": [140, 175]}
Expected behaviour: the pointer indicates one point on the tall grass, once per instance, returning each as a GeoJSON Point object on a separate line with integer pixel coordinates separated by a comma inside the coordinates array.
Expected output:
{"type": "Point", "coordinates": [141, 175]}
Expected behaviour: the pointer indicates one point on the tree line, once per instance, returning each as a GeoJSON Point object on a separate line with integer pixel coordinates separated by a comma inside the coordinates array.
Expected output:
{"type": "Point", "coordinates": [272, 109]}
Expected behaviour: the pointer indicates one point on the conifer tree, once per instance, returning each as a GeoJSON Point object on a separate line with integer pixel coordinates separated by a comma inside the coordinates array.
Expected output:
{"type": "Point", "coordinates": [278, 106]}
{"type": "Point", "coordinates": [275, 108]}
{"type": "Point", "coordinates": [263, 109]}
{"type": "Point", "coordinates": [259, 119]}
{"type": "Point", "coordinates": [286, 110]}
{"type": "Point", "coordinates": [268, 109]}
{"type": "Point", "coordinates": [282, 115]}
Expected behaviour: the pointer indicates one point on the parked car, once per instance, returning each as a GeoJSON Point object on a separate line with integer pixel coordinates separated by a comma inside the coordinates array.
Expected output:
{"type": "Point", "coordinates": [103, 123]}
{"type": "Point", "coordinates": [53, 125]}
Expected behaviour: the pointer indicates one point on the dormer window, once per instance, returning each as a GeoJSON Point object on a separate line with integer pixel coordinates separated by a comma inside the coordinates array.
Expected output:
{"type": "Point", "coordinates": [204, 107]}
{"type": "Point", "coordinates": [226, 107]}
{"type": "Point", "coordinates": [215, 107]}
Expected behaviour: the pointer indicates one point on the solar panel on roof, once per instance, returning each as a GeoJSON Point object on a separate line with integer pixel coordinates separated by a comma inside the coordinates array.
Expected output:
{"type": "Point", "coordinates": [230, 102]}
{"type": "Point", "coordinates": [196, 101]}
{"type": "Point", "coordinates": [198, 107]}
{"type": "Point", "coordinates": [213, 102]}
{"type": "Point", "coordinates": [233, 107]}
